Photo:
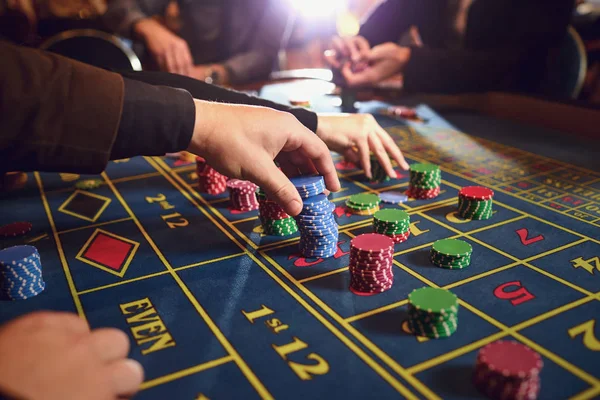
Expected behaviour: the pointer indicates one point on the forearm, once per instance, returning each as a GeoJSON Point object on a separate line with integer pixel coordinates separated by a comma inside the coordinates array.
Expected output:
{"type": "Point", "coordinates": [249, 66]}
{"type": "Point", "coordinates": [203, 91]}
{"type": "Point", "coordinates": [56, 114]}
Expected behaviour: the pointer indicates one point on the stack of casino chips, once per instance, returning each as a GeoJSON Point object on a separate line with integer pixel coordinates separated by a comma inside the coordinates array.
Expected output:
{"type": "Point", "coordinates": [451, 253]}
{"type": "Point", "coordinates": [425, 181]}
{"type": "Point", "coordinates": [242, 195]}
{"type": "Point", "coordinates": [393, 223]}
{"type": "Point", "coordinates": [209, 180]}
{"type": "Point", "coordinates": [378, 174]}
{"type": "Point", "coordinates": [432, 312]}
{"type": "Point", "coordinates": [371, 264]}
{"type": "Point", "coordinates": [316, 222]}
{"type": "Point", "coordinates": [508, 370]}
{"type": "Point", "coordinates": [363, 204]}
{"type": "Point", "coordinates": [274, 221]}
{"type": "Point", "coordinates": [475, 202]}
{"type": "Point", "coordinates": [20, 273]}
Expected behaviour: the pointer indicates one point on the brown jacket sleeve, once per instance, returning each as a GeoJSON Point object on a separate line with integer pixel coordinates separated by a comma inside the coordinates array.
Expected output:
{"type": "Point", "coordinates": [55, 114]}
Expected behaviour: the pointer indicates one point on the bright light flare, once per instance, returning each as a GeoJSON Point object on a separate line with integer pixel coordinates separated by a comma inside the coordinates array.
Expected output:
{"type": "Point", "coordinates": [319, 8]}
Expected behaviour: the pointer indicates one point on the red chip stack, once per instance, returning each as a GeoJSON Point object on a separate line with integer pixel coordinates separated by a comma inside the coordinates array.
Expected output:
{"type": "Point", "coordinates": [371, 268]}
{"type": "Point", "coordinates": [209, 180]}
{"type": "Point", "coordinates": [507, 370]}
{"type": "Point", "coordinates": [242, 195]}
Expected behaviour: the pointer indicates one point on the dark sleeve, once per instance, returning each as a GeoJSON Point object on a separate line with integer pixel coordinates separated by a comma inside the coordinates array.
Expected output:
{"type": "Point", "coordinates": [55, 114]}
{"type": "Point", "coordinates": [121, 15]}
{"type": "Point", "coordinates": [453, 71]}
{"type": "Point", "coordinates": [59, 115]}
{"type": "Point", "coordinates": [257, 62]}
{"type": "Point", "coordinates": [387, 21]}
{"type": "Point", "coordinates": [204, 91]}
{"type": "Point", "coordinates": [156, 120]}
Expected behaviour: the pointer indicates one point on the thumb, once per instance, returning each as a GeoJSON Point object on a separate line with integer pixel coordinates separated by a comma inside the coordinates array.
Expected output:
{"type": "Point", "coordinates": [278, 187]}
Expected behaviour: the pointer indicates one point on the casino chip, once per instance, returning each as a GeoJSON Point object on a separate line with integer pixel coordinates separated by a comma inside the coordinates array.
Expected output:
{"type": "Point", "coordinates": [425, 181]}
{"type": "Point", "coordinates": [274, 220]}
{"type": "Point", "coordinates": [12, 180]}
{"type": "Point", "coordinates": [451, 254]}
{"type": "Point", "coordinates": [316, 223]}
{"type": "Point", "coordinates": [20, 273]}
{"type": "Point", "coordinates": [242, 195]}
{"type": "Point", "coordinates": [88, 184]}
{"type": "Point", "coordinates": [378, 173]}
{"type": "Point", "coordinates": [432, 312]}
{"type": "Point", "coordinates": [475, 202]}
{"type": "Point", "coordinates": [209, 180]}
{"type": "Point", "coordinates": [508, 370]}
{"type": "Point", "coordinates": [371, 264]}
{"type": "Point", "coordinates": [15, 229]}
{"type": "Point", "coordinates": [393, 223]}
{"type": "Point", "coordinates": [363, 204]}
{"type": "Point", "coordinates": [393, 197]}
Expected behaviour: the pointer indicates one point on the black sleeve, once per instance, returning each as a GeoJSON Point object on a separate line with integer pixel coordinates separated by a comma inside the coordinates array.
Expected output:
{"type": "Point", "coordinates": [204, 91]}
{"type": "Point", "coordinates": [387, 21]}
{"type": "Point", "coordinates": [155, 120]}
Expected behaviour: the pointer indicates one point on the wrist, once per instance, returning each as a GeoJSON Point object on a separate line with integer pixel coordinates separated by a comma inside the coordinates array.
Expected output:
{"type": "Point", "coordinates": [403, 54]}
{"type": "Point", "coordinates": [143, 27]}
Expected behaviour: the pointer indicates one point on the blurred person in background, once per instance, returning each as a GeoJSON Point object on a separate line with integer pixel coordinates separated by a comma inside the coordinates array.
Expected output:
{"type": "Point", "coordinates": [220, 41]}
{"type": "Point", "coordinates": [457, 45]}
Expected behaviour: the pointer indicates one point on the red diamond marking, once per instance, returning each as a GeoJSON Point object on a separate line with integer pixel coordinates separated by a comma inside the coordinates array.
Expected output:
{"type": "Point", "coordinates": [108, 251]}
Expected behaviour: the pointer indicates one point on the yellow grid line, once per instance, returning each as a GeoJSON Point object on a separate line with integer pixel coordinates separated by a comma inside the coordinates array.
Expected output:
{"type": "Point", "coordinates": [357, 350]}
{"type": "Point", "coordinates": [248, 373]}
{"type": "Point", "coordinates": [94, 225]}
{"type": "Point", "coordinates": [185, 372]}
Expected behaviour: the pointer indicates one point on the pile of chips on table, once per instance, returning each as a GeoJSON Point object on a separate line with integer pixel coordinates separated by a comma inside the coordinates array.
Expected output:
{"type": "Point", "coordinates": [378, 174]}
{"type": "Point", "coordinates": [508, 370]}
{"type": "Point", "coordinates": [475, 202]}
{"type": "Point", "coordinates": [274, 220]}
{"type": "Point", "coordinates": [209, 180]}
{"type": "Point", "coordinates": [20, 273]}
{"type": "Point", "coordinates": [425, 181]}
{"type": "Point", "coordinates": [432, 312]}
{"type": "Point", "coordinates": [242, 195]}
{"type": "Point", "coordinates": [451, 253]}
{"type": "Point", "coordinates": [393, 223]}
{"type": "Point", "coordinates": [363, 204]}
{"type": "Point", "coordinates": [371, 264]}
{"type": "Point", "coordinates": [316, 222]}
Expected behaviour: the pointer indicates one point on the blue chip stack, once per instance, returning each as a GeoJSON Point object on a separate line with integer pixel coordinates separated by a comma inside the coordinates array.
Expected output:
{"type": "Point", "coordinates": [20, 273]}
{"type": "Point", "coordinates": [317, 225]}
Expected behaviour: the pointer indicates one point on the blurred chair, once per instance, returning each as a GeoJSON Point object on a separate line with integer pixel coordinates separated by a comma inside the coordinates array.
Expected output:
{"type": "Point", "coordinates": [566, 72]}
{"type": "Point", "coordinates": [94, 47]}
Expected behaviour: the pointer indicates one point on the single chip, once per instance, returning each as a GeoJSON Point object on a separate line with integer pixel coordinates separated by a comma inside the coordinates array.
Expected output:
{"type": "Point", "coordinates": [372, 243]}
{"type": "Point", "coordinates": [476, 193]}
{"type": "Point", "coordinates": [452, 247]}
{"type": "Point", "coordinates": [424, 168]}
{"type": "Point", "coordinates": [364, 199]}
{"type": "Point", "coordinates": [434, 300]}
{"type": "Point", "coordinates": [511, 359]}
{"type": "Point", "coordinates": [393, 197]}
{"type": "Point", "coordinates": [15, 229]}
{"type": "Point", "coordinates": [87, 184]}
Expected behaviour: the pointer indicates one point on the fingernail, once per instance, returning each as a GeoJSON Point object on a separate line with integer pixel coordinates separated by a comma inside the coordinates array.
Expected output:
{"type": "Point", "coordinates": [295, 207]}
{"type": "Point", "coordinates": [135, 367]}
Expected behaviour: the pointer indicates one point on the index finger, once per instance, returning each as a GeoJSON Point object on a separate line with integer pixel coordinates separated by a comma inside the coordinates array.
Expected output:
{"type": "Point", "coordinates": [310, 146]}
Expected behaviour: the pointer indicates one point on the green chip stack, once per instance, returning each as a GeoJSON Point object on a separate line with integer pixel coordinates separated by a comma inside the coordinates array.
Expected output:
{"type": "Point", "coordinates": [475, 202]}
{"type": "Point", "coordinates": [378, 174]}
{"type": "Point", "coordinates": [274, 220]}
{"type": "Point", "coordinates": [432, 312]}
{"type": "Point", "coordinates": [393, 223]}
{"type": "Point", "coordinates": [425, 181]}
{"type": "Point", "coordinates": [451, 254]}
{"type": "Point", "coordinates": [363, 204]}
